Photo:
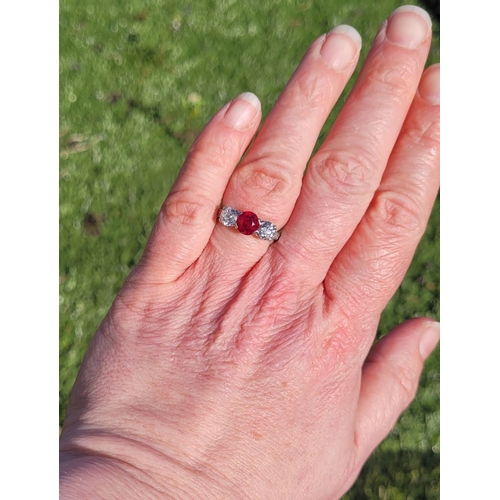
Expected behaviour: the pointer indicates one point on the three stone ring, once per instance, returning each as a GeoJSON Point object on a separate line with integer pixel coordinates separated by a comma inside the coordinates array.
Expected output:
{"type": "Point", "coordinates": [248, 223]}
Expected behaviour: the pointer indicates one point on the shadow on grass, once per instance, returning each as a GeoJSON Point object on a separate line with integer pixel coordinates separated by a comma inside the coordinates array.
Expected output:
{"type": "Point", "coordinates": [153, 113]}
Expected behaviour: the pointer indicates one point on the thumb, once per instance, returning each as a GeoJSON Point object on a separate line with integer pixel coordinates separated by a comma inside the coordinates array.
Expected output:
{"type": "Point", "coordinates": [390, 380]}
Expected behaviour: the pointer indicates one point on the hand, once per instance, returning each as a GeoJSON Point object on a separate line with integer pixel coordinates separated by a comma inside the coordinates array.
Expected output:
{"type": "Point", "coordinates": [232, 367]}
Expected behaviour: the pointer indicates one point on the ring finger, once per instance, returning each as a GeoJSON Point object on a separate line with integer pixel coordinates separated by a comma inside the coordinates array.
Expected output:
{"type": "Point", "coordinates": [269, 179]}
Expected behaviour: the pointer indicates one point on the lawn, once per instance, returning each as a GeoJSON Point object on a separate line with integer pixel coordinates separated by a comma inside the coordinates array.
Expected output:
{"type": "Point", "coordinates": [138, 81]}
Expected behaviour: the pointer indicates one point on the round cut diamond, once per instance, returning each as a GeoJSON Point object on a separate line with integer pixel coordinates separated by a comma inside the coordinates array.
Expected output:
{"type": "Point", "coordinates": [228, 216]}
{"type": "Point", "coordinates": [247, 223]}
{"type": "Point", "coordinates": [267, 231]}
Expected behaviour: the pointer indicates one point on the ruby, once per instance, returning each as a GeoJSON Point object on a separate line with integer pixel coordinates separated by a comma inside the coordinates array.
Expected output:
{"type": "Point", "coordinates": [247, 223]}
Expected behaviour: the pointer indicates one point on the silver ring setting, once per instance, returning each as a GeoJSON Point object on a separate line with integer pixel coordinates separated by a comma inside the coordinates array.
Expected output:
{"type": "Point", "coordinates": [248, 223]}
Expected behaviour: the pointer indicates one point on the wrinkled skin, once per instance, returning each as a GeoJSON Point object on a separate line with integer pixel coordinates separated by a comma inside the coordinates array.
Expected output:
{"type": "Point", "coordinates": [232, 368]}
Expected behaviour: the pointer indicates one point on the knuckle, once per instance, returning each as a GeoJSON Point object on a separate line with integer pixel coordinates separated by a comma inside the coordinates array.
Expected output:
{"type": "Point", "coordinates": [213, 155]}
{"type": "Point", "coordinates": [396, 213]}
{"type": "Point", "coordinates": [407, 381]}
{"type": "Point", "coordinates": [395, 79]}
{"type": "Point", "coordinates": [402, 374]}
{"type": "Point", "coordinates": [424, 136]}
{"type": "Point", "coordinates": [348, 173]}
{"type": "Point", "coordinates": [183, 208]}
{"type": "Point", "coordinates": [311, 88]}
{"type": "Point", "coordinates": [266, 178]}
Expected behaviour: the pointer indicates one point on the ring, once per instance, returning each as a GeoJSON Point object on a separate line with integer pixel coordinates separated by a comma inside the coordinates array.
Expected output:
{"type": "Point", "coordinates": [248, 223]}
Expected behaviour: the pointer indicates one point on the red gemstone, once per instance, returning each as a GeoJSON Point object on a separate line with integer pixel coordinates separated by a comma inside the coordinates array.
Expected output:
{"type": "Point", "coordinates": [247, 223]}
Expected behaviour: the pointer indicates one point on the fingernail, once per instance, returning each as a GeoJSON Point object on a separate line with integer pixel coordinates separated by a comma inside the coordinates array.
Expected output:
{"type": "Point", "coordinates": [242, 111]}
{"type": "Point", "coordinates": [429, 339]}
{"type": "Point", "coordinates": [429, 85]}
{"type": "Point", "coordinates": [340, 47]}
{"type": "Point", "coordinates": [408, 26]}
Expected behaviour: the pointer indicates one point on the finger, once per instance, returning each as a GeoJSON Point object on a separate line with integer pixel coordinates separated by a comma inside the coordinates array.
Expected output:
{"type": "Point", "coordinates": [347, 169]}
{"type": "Point", "coordinates": [373, 262]}
{"type": "Point", "coordinates": [268, 180]}
{"type": "Point", "coordinates": [188, 215]}
{"type": "Point", "coordinates": [390, 380]}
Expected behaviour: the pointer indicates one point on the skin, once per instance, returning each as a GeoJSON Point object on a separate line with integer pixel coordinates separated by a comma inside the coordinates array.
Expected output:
{"type": "Point", "coordinates": [230, 367]}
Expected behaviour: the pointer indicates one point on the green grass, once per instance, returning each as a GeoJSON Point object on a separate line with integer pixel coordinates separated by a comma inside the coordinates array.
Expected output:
{"type": "Point", "coordinates": [138, 81]}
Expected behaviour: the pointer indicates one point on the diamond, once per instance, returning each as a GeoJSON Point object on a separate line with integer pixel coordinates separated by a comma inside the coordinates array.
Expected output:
{"type": "Point", "coordinates": [247, 223]}
{"type": "Point", "coordinates": [267, 231]}
{"type": "Point", "coordinates": [228, 216]}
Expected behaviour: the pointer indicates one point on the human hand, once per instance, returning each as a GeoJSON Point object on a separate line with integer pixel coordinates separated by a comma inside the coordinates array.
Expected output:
{"type": "Point", "coordinates": [229, 367]}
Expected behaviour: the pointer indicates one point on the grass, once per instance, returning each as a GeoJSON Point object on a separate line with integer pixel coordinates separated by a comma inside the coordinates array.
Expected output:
{"type": "Point", "coordinates": [138, 81]}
